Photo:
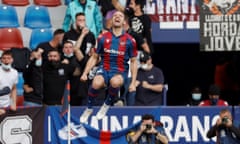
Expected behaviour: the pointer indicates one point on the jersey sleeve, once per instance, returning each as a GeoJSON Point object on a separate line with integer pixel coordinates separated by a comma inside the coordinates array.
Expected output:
{"type": "Point", "coordinates": [133, 47]}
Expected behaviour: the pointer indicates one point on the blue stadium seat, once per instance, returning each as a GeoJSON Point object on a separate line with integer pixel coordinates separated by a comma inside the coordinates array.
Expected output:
{"type": "Point", "coordinates": [8, 16]}
{"type": "Point", "coordinates": [40, 35]}
{"type": "Point", "coordinates": [20, 84]}
{"type": "Point", "coordinates": [16, 2]}
{"type": "Point", "coordinates": [49, 3]}
{"type": "Point", "coordinates": [10, 37]}
{"type": "Point", "coordinates": [67, 2]}
{"type": "Point", "coordinates": [37, 17]}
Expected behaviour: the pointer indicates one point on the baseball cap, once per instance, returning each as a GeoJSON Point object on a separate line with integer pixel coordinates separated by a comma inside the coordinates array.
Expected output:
{"type": "Point", "coordinates": [144, 56]}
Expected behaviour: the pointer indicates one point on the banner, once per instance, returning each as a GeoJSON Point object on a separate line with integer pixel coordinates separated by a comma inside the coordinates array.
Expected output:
{"type": "Point", "coordinates": [25, 126]}
{"type": "Point", "coordinates": [174, 20]}
{"type": "Point", "coordinates": [219, 25]}
{"type": "Point", "coordinates": [182, 124]}
{"type": "Point", "coordinates": [42, 125]}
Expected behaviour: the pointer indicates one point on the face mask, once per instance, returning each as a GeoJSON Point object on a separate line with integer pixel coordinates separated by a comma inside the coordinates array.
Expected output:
{"type": "Point", "coordinates": [68, 55]}
{"type": "Point", "coordinates": [6, 67]}
{"type": "Point", "coordinates": [55, 64]}
{"type": "Point", "coordinates": [214, 101]}
{"type": "Point", "coordinates": [144, 66]}
{"type": "Point", "coordinates": [38, 62]}
{"type": "Point", "coordinates": [196, 96]}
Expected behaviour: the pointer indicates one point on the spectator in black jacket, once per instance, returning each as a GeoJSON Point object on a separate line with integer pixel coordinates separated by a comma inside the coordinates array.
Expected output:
{"type": "Point", "coordinates": [224, 129]}
{"type": "Point", "coordinates": [84, 40]}
{"type": "Point", "coordinates": [54, 43]}
{"type": "Point", "coordinates": [72, 55]}
{"type": "Point", "coordinates": [55, 76]}
{"type": "Point", "coordinates": [33, 90]}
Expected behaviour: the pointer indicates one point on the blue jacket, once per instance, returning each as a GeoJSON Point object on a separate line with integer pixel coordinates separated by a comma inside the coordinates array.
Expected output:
{"type": "Point", "coordinates": [94, 20]}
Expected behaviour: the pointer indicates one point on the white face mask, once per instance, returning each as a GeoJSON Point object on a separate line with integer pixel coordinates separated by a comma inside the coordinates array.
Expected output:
{"type": "Point", "coordinates": [196, 96]}
{"type": "Point", "coordinates": [6, 67]}
{"type": "Point", "coordinates": [38, 62]}
{"type": "Point", "coordinates": [68, 55]}
{"type": "Point", "coordinates": [89, 45]}
{"type": "Point", "coordinates": [144, 66]}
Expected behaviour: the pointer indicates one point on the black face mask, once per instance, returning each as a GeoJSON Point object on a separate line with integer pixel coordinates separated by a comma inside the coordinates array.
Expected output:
{"type": "Point", "coordinates": [55, 64]}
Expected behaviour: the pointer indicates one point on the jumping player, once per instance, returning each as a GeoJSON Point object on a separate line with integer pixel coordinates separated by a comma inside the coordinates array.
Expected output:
{"type": "Point", "coordinates": [114, 49]}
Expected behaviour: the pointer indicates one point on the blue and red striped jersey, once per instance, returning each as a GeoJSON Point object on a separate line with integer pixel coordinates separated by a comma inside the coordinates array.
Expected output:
{"type": "Point", "coordinates": [116, 51]}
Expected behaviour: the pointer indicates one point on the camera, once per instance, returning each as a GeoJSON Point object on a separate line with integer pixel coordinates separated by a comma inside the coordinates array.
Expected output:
{"type": "Point", "coordinates": [224, 120]}
{"type": "Point", "coordinates": [148, 126]}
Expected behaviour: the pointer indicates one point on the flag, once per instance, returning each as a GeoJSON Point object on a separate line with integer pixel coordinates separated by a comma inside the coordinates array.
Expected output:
{"type": "Point", "coordinates": [66, 99]}
{"type": "Point", "coordinates": [107, 137]}
{"type": "Point", "coordinates": [61, 131]}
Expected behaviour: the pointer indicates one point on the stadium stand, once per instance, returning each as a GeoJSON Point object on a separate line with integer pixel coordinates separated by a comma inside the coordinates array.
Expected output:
{"type": "Point", "coordinates": [8, 16]}
{"type": "Point", "coordinates": [37, 17]}
{"type": "Point", "coordinates": [30, 15]}
{"type": "Point", "coordinates": [48, 3]}
{"type": "Point", "coordinates": [56, 18]}
{"type": "Point", "coordinates": [20, 84]}
{"type": "Point", "coordinates": [9, 38]}
{"type": "Point", "coordinates": [66, 2]}
{"type": "Point", "coordinates": [16, 2]}
{"type": "Point", "coordinates": [40, 35]}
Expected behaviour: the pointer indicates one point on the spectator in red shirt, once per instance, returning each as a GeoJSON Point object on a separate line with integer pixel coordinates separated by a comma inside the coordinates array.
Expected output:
{"type": "Point", "coordinates": [214, 97]}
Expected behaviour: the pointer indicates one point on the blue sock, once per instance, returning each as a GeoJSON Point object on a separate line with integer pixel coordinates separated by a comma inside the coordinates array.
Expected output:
{"type": "Point", "coordinates": [92, 94]}
{"type": "Point", "coordinates": [112, 93]}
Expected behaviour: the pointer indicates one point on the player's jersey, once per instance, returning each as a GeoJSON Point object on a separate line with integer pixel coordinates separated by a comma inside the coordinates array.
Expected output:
{"type": "Point", "coordinates": [116, 51]}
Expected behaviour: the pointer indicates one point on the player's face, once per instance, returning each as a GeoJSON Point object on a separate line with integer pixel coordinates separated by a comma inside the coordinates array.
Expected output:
{"type": "Point", "coordinates": [118, 19]}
